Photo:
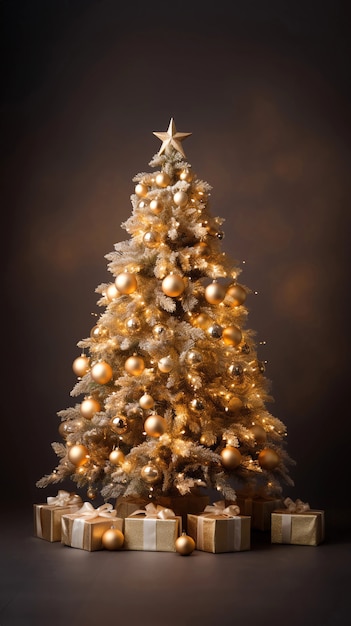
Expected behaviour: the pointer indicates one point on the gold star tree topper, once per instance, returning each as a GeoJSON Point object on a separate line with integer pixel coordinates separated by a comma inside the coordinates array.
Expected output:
{"type": "Point", "coordinates": [172, 139]}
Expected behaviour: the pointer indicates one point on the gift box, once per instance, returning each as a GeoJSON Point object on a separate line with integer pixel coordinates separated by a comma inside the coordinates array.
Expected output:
{"type": "Point", "coordinates": [244, 503]}
{"type": "Point", "coordinates": [84, 528]}
{"type": "Point", "coordinates": [47, 517]}
{"type": "Point", "coordinates": [154, 528]}
{"type": "Point", "coordinates": [262, 509]}
{"type": "Point", "coordinates": [297, 524]}
{"type": "Point", "coordinates": [127, 505]}
{"type": "Point", "coordinates": [220, 529]}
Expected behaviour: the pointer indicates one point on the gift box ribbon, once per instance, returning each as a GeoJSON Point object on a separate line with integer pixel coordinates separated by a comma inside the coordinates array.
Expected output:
{"type": "Point", "coordinates": [87, 512]}
{"type": "Point", "coordinates": [63, 498]}
{"type": "Point", "coordinates": [293, 508]}
{"type": "Point", "coordinates": [219, 510]}
{"type": "Point", "coordinates": [153, 513]}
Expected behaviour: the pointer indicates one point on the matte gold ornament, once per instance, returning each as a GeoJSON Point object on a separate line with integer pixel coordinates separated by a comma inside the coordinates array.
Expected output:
{"type": "Point", "coordinates": [146, 401]}
{"type": "Point", "coordinates": [156, 206]}
{"type": "Point", "coordinates": [151, 474]}
{"type": "Point", "coordinates": [236, 295]}
{"type": "Point", "coordinates": [173, 285]}
{"type": "Point", "coordinates": [91, 493]}
{"type": "Point", "coordinates": [134, 365]}
{"type": "Point", "coordinates": [159, 331]}
{"type": "Point", "coordinates": [77, 454]}
{"type": "Point", "coordinates": [133, 324]}
{"type": "Point", "coordinates": [194, 357]}
{"type": "Point", "coordinates": [215, 293]}
{"type": "Point", "coordinates": [235, 404]}
{"type": "Point", "coordinates": [151, 239]}
{"type": "Point", "coordinates": [165, 364]}
{"type": "Point", "coordinates": [112, 539]}
{"type": "Point", "coordinates": [184, 544]}
{"type": "Point", "coordinates": [126, 283]}
{"type": "Point", "coordinates": [232, 336]}
{"type": "Point", "coordinates": [181, 198]}
{"type": "Point", "coordinates": [231, 457]}
{"type": "Point", "coordinates": [101, 372]}
{"type": "Point", "coordinates": [162, 180]}
{"type": "Point", "coordinates": [202, 321]}
{"type": "Point", "coordinates": [89, 407]}
{"type": "Point", "coordinates": [186, 175]}
{"type": "Point", "coordinates": [202, 249]}
{"type": "Point", "coordinates": [259, 433]}
{"type": "Point", "coordinates": [155, 425]}
{"type": "Point", "coordinates": [141, 190]}
{"type": "Point", "coordinates": [116, 457]}
{"type": "Point", "coordinates": [81, 365]}
{"type": "Point", "coordinates": [215, 331]}
{"type": "Point", "coordinates": [268, 459]}
{"type": "Point", "coordinates": [119, 424]}
{"type": "Point", "coordinates": [171, 138]}
{"type": "Point", "coordinates": [112, 292]}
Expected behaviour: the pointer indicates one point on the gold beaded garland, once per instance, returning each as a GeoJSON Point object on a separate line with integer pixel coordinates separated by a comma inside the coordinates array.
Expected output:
{"type": "Point", "coordinates": [173, 285]}
{"type": "Point", "coordinates": [155, 425]}
{"type": "Point", "coordinates": [112, 539]}
{"type": "Point", "coordinates": [77, 454]}
{"type": "Point", "coordinates": [232, 336]}
{"type": "Point", "coordinates": [268, 459]}
{"type": "Point", "coordinates": [184, 544]}
{"type": "Point", "coordinates": [101, 372]}
{"type": "Point", "coordinates": [215, 293]}
{"type": "Point", "coordinates": [162, 180]}
{"type": "Point", "coordinates": [116, 457]}
{"type": "Point", "coordinates": [126, 283]}
{"type": "Point", "coordinates": [231, 457]}
{"type": "Point", "coordinates": [134, 365]}
{"type": "Point", "coordinates": [81, 365]}
{"type": "Point", "coordinates": [89, 407]}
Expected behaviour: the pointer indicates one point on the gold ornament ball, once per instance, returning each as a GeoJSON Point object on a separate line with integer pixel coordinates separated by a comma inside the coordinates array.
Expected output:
{"type": "Point", "coordinates": [165, 364]}
{"type": "Point", "coordinates": [231, 457]}
{"type": "Point", "coordinates": [91, 493]}
{"type": "Point", "coordinates": [155, 425]}
{"type": "Point", "coordinates": [116, 457]}
{"type": "Point", "coordinates": [186, 175]}
{"type": "Point", "coordinates": [215, 331]}
{"type": "Point", "coordinates": [151, 239]}
{"type": "Point", "coordinates": [214, 293]}
{"type": "Point", "coordinates": [234, 404]}
{"type": "Point", "coordinates": [268, 459]}
{"type": "Point", "coordinates": [112, 539]}
{"type": "Point", "coordinates": [202, 321]}
{"type": "Point", "coordinates": [173, 285]}
{"type": "Point", "coordinates": [259, 433]}
{"type": "Point", "coordinates": [77, 454]}
{"type": "Point", "coordinates": [146, 401]}
{"type": "Point", "coordinates": [126, 282]}
{"type": "Point", "coordinates": [81, 365]}
{"type": "Point", "coordinates": [98, 332]}
{"type": "Point", "coordinates": [134, 365]}
{"type": "Point", "coordinates": [151, 474]}
{"type": "Point", "coordinates": [181, 198]}
{"type": "Point", "coordinates": [193, 357]}
{"type": "Point", "coordinates": [89, 407]}
{"type": "Point", "coordinates": [133, 324]}
{"type": "Point", "coordinates": [162, 180]}
{"type": "Point", "coordinates": [141, 190]}
{"type": "Point", "coordinates": [156, 206]}
{"type": "Point", "coordinates": [112, 292]}
{"type": "Point", "coordinates": [236, 295]}
{"type": "Point", "coordinates": [101, 372]}
{"type": "Point", "coordinates": [119, 424]}
{"type": "Point", "coordinates": [184, 545]}
{"type": "Point", "coordinates": [232, 336]}
{"type": "Point", "coordinates": [159, 331]}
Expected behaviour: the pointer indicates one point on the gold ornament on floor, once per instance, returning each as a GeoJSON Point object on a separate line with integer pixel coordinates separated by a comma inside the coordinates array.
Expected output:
{"type": "Point", "coordinates": [141, 190]}
{"type": "Point", "coordinates": [134, 365]}
{"type": "Point", "coordinates": [89, 407]}
{"type": "Point", "coordinates": [151, 474]}
{"type": "Point", "coordinates": [184, 544]}
{"type": "Point", "coordinates": [232, 336]}
{"type": "Point", "coordinates": [112, 292]}
{"type": "Point", "coordinates": [259, 433]}
{"type": "Point", "coordinates": [119, 424]}
{"type": "Point", "coordinates": [155, 425]}
{"type": "Point", "coordinates": [126, 283]}
{"type": "Point", "coordinates": [231, 457]}
{"type": "Point", "coordinates": [112, 539]}
{"type": "Point", "coordinates": [101, 372]}
{"type": "Point", "coordinates": [81, 365]}
{"type": "Point", "coordinates": [146, 401]}
{"type": "Point", "coordinates": [78, 454]}
{"type": "Point", "coordinates": [236, 295]}
{"type": "Point", "coordinates": [116, 457]}
{"type": "Point", "coordinates": [156, 206]}
{"type": "Point", "coordinates": [268, 459]}
{"type": "Point", "coordinates": [166, 364]}
{"type": "Point", "coordinates": [215, 293]}
{"type": "Point", "coordinates": [162, 180]}
{"type": "Point", "coordinates": [173, 285]}
{"type": "Point", "coordinates": [181, 198]}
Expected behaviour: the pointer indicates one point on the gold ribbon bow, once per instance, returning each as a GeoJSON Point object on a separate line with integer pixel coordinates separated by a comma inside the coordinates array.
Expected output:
{"type": "Point", "coordinates": [219, 508]}
{"type": "Point", "coordinates": [153, 511]}
{"type": "Point", "coordinates": [296, 507]}
{"type": "Point", "coordinates": [64, 498]}
{"type": "Point", "coordinates": [87, 511]}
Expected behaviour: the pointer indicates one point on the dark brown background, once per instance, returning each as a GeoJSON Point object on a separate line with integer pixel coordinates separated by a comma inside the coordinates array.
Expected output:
{"type": "Point", "coordinates": [264, 87]}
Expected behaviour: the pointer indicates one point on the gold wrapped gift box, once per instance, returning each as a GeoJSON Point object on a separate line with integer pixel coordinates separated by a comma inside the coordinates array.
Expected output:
{"type": "Point", "coordinates": [150, 530]}
{"type": "Point", "coordinates": [85, 528]}
{"type": "Point", "coordinates": [181, 505]}
{"type": "Point", "coordinates": [305, 528]}
{"type": "Point", "coordinates": [220, 530]}
{"type": "Point", "coordinates": [47, 517]}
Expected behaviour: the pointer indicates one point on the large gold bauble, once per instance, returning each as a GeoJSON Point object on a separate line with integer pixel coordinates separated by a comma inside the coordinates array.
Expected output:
{"type": "Point", "coordinates": [155, 425]}
{"type": "Point", "coordinates": [151, 239]}
{"type": "Point", "coordinates": [134, 365]}
{"type": "Point", "coordinates": [116, 457]}
{"type": "Point", "coordinates": [119, 424]}
{"type": "Point", "coordinates": [181, 198]}
{"type": "Point", "coordinates": [268, 459]}
{"type": "Point", "coordinates": [231, 457]}
{"type": "Point", "coordinates": [151, 474]}
{"type": "Point", "coordinates": [194, 357]}
{"type": "Point", "coordinates": [202, 249]}
{"type": "Point", "coordinates": [112, 539]}
{"type": "Point", "coordinates": [232, 335]}
{"type": "Point", "coordinates": [81, 365]}
{"type": "Point", "coordinates": [234, 404]}
{"type": "Point", "coordinates": [101, 372]}
{"type": "Point", "coordinates": [156, 206]}
{"type": "Point", "coordinates": [162, 180]}
{"type": "Point", "coordinates": [133, 324]}
{"type": "Point", "coordinates": [77, 454]}
{"type": "Point", "coordinates": [235, 295]}
{"type": "Point", "coordinates": [112, 292]}
{"type": "Point", "coordinates": [165, 364]}
{"type": "Point", "coordinates": [202, 321]}
{"type": "Point", "coordinates": [186, 175]}
{"type": "Point", "coordinates": [146, 401]}
{"type": "Point", "coordinates": [141, 190]}
{"type": "Point", "coordinates": [173, 285]}
{"type": "Point", "coordinates": [126, 282]}
{"type": "Point", "coordinates": [259, 433]}
{"type": "Point", "coordinates": [184, 544]}
{"type": "Point", "coordinates": [89, 407]}
{"type": "Point", "coordinates": [215, 293]}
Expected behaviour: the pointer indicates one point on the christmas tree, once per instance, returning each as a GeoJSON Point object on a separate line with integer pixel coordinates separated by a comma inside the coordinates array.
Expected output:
{"type": "Point", "coordinates": [173, 395]}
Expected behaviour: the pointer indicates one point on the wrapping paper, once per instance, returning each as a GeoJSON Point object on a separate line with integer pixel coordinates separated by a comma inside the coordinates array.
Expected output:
{"type": "Point", "coordinates": [220, 530]}
{"type": "Point", "coordinates": [155, 528]}
{"type": "Point", "coordinates": [262, 509]}
{"type": "Point", "coordinates": [181, 505]}
{"type": "Point", "coordinates": [298, 524]}
{"type": "Point", "coordinates": [47, 517]}
{"type": "Point", "coordinates": [85, 528]}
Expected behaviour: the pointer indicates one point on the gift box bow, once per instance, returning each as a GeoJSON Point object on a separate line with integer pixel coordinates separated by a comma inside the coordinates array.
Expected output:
{"type": "Point", "coordinates": [64, 498]}
{"type": "Point", "coordinates": [219, 508]}
{"type": "Point", "coordinates": [296, 507]}
{"type": "Point", "coordinates": [87, 511]}
{"type": "Point", "coordinates": [153, 511]}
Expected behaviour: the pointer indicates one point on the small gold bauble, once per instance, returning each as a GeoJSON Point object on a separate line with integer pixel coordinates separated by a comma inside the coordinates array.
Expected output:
{"type": "Point", "coordinates": [236, 370]}
{"type": "Point", "coordinates": [65, 428]}
{"type": "Point", "coordinates": [141, 190]}
{"type": "Point", "coordinates": [150, 474]}
{"type": "Point", "coordinates": [231, 457]}
{"type": "Point", "coordinates": [81, 365]}
{"type": "Point", "coordinates": [89, 407]}
{"type": "Point", "coordinates": [215, 293]}
{"type": "Point", "coordinates": [186, 175]}
{"type": "Point", "coordinates": [98, 332]}
{"type": "Point", "coordinates": [215, 331]}
{"type": "Point", "coordinates": [112, 539]}
{"type": "Point", "coordinates": [116, 457]}
{"type": "Point", "coordinates": [184, 544]}
{"type": "Point", "coordinates": [235, 295]}
{"type": "Point", "coordinates": [77, 454]}
{"type": "Point", "coordinates": [146, 401]}
{"type": "Point", "coordinates": [156, 206]}
{"type": "Point", "coordinates": [202, 249]}
{"type": "Point", "coordinates": [173, 285]}
{"type": "Point", "coordinates": [133, 324]}
{"type": "Point", "coordinates": [165, 364]}
{"type": "Point", "coordinates": [259, 433]}
{"type": "Point", "coordinates": [91, 493]}
{"type": "Point", "coordinates": [196, 405]}
{"type": "Point", "coordinates": [194, 357]}
{"type": "Point", "coordinates": [234, 404]}
{"type": "Point", "coordinates": [112, 292]}
{"type": "Point", "coordinates": [180, 198]}
{"type": "Point", "coordinates": [202, 321]}
{"type": "Point", "coordinates": [232, 336]}
{"type": "Point", "coordinates": [268, 459]}
{"type": "Point", "coordinates": [101, 372]}
{"type": "Point", "coordinates": [151, 239]}
{"type": "Point", "coordinates": [119, 424]}
{"type": "Point", "coordinates": [162, 180]}
{"type": "Point", "coordinates": [155, 425]}
{"type": "Point", "coordinates": [159, 331]}
{"type": "Point", "coordinates": [134, 365]}
{"type": "Point", "coordinates": [126, 282]}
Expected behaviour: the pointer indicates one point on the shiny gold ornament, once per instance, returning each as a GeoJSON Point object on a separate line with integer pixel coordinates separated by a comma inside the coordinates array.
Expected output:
{"type": "Point", "coordinates": [156, 206]}
{"type": "Point", "coordinates": [215, 331]}
{"type": "Point", "coordinates": [236, 295]}
{"type": "Point", "coordinates": [119, 425]}
{"type": "Point", "coordinates": [126, 282]}
{"type": "Point", "coordinates": [181, 198]}
{"type": "Point", "coordinates": [171, 138]}
{"type": "Point", "coordinates": [194, 357]}
{"type": "Point", "coordinates": [159, 331]}
{"type": "Point", "coordinates": [186, 175]}
{"type": "Point", "coordinates": [184, 544]}
{"type": "Point", "coordinates": [146, 401]}
{"type": "Point", "coordinates": [173, 285]}
{"type": "Point", "coordinates": [134, 365]}
{"type": "Point", "coordinates": [91, 493]}
{"type": "Point", "coordinates": [234, 404]}
{"type": "Point", "coordinates": [236, 370]}
{"type": "Point", "coordinates": [98, 332]}
{"type": "Point", "coordinates": [206, 441]}
{"type": "Point", "coordinates": [165, 364]}
{"type": "Point", "coordinates": [133, 324]}
{"type": "Point", "coordinates": [155, 425]}
{"type": "Point", "coordinates": [202, 249]}
{"type": "Point", "coordinates": [268, 459]}
{"type": "Point", "coordinates": [202, 321]}
{"type": "Point", "coordinates": [231, 457]}
{"type": "Point", "coordinates": [68, 427]}
{"type": "Point", "coordinates": [162, 180]}
{"type": "Point", "coordinates": [232, 336]}
{"type": "Point", "coordinates": [196, 405]}
{"type": "Point", "coordinates": [151, 239]}
{"type": "Point", "coordinates": [112, 292]}
{"type": "Point", "coordinates": [141, 190]}
{"type": "Point", "coordinates": [89, 407]}
{"type": "Point", "coordinates": [151, 474]}
{"type": "Point", "coordinates": [81, 365]}
{"type": "Point", "coordinates": [215, 293]}
{"type": "Point", "coordinates": [101, 372]}
{"type": "Point", "coordinates": [259, 433]}
{"type": "Point", "coordinates": [116, 457]}
{"type": "Point", "coordinates": [77, 454]}
{"type": "Point", "coordinates": [112, 539]}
